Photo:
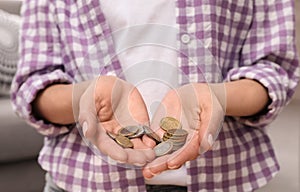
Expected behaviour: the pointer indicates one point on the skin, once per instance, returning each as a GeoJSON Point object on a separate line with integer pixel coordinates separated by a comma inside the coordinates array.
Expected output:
{"type": "Point", "coordinates": [107, 105]}
{"type": "Point", "coordinates": [201, 109]}
{"type": "Point", "coordinates": [243, 97]}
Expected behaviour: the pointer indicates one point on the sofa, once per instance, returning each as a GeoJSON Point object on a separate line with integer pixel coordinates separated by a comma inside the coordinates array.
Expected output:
{"type": "Point", "coordinates": [19, 143]}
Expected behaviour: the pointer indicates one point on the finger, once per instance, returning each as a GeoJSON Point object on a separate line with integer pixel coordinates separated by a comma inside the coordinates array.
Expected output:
{"type": "Point", "coordinates": [205, 130]}
{"type": "Point", "coordinates": [88, 121]}
{"type": "Point", "coordinates": [88, 124]}
{"type": "Point", "coordinates": [188, 152]}
{"type": "Point", "coordinates": [139, 157]}
{"type": "Point", "coordinates": [109, 147]}
{"type": "Point", "coordinates": [147, 173]}
{"type": "Point", "coordinates": [78, 90]}
{"type": "Point", "coordinates": [148, 141]}
{"type": "Point", "coordinates": [138, 144]}
{"type": "Point", "coordinates": [170, 107]}
{"type": "Point", "coordinates": [211, 119]}
{"type": "Point", "coordinates": [155, 167]}
{"type": "Point", "coordinates": [136, 157]}
{"type": "Point", "coordinates": [142, 147]}
{"type": "Point", "coordinates": [190, 106]}
{"type": "Point", "coordinates": [87, 112]}
{"type": "Point", "coordinates": [137, 107]}
{"type": "Point", "coordinates": [111, 126]}
{"type": "Point", "coordinates": [128, 107]}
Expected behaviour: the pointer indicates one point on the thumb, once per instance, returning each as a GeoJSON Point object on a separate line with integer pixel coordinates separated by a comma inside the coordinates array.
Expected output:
{"type": "Point", "coordinates": [87, 112]}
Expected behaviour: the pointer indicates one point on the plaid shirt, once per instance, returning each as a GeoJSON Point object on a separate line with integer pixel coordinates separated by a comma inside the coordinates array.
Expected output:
{"type": "Point", "coordinates": [248, 39]}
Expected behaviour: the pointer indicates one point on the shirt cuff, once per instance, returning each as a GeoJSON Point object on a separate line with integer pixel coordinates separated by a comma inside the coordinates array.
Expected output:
{"type": "Point", "coordinates": [274, 79]}
{"type": "Point", "coordinates": [27, 92]}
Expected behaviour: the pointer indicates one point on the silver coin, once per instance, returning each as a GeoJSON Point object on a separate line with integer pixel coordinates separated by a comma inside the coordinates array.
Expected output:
{"type": "Point", "coordinates": [177, 132]}
{"type": "Point", "coordinates": [177, 142]}
{"type": "Point", "coordinates": [175, 147]}
{"type": "Point", "coordinates": [150, 133]}
{"type": "Point", "coordinates": [128, 130]}
{"type": "Point", "coordinates": [163, 148]}
{"type": "Point", "coordinates": [139, 132]}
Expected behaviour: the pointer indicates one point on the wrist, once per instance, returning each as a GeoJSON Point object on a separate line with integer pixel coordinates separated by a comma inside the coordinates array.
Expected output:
{"type": "Point", "coordinates": [245, 97]}
{"type": "Point", "coordinates": [59, 103]}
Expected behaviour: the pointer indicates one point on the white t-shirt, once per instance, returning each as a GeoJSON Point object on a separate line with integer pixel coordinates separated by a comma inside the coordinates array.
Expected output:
{"type": "Point", "coordinates": [145, 39]}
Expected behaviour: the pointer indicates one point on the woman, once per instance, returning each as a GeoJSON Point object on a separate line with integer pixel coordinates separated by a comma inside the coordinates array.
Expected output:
{"type": "Point", "coordinates": [245, 49]}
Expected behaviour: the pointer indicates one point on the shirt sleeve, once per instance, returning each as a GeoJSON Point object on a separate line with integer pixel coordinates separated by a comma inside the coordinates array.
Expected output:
{"type": "Point", "coordinates": [269, 56]}
{"type": "Point", "coordinates": [40, 62]}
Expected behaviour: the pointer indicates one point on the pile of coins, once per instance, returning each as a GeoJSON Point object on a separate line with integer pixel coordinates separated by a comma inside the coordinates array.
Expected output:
{"type": "Point", "coordinates": [173, 138]}
{"type": "Point", "coordinates": [126, 133]}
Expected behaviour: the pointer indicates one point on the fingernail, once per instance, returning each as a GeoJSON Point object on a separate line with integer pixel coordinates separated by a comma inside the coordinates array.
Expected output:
{"type": "Point", "coordinates": [122, 162]}
{"type": "Point", "coordinates": [139, 164]}
{"type": "Point", "coordinates": [210, 139]}
{"type": "Point", "coordinates": [173, 167]}
{"type": "Point", "coordinates": [154, 174]}
{"type": "Point", "coordinates": [84, 128]}
{"type": "Point", "coordinates": [148, 178]}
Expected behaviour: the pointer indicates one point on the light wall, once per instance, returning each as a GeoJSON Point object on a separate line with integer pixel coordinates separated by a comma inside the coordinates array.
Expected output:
{"type": "Point", "coordinates": [297, 7]}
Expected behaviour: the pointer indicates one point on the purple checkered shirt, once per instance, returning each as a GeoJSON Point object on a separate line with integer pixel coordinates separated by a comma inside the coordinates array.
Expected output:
{"type": "Point", "coordinates": [249, 39]}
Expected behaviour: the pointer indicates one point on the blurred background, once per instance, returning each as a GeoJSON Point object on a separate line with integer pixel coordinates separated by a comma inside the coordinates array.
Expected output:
{"type": "Point", "coordinates": [20, 144]}
{"type": "Point", "coordinates": [285, 136]}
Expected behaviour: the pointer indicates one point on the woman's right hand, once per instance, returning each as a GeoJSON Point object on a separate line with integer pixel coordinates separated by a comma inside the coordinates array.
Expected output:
{"type": "Point", "coordinates": [108, 104]}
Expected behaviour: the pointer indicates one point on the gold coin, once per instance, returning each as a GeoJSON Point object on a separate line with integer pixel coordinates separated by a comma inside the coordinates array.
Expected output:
{"type": "Point", "coordinates": [175, 136]}
{"type": "Point", "coordinates": [111, 135]}
{"type": "Point", "coordinates": [166, 136]}
{"type": "Point", "coordinates": [167, 123]}
{"type": "Point", "coordinates": [124, 141]}
{"type": "Point", "coordinates": [165, 139]}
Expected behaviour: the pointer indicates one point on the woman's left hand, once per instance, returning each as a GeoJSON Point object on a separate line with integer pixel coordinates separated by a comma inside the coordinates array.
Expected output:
{"type": "Point", "coordinates": [201, 114]}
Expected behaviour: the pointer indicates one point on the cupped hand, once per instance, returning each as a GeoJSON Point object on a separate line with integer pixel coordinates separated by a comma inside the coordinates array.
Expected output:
{"type": "Point", "coordinates": [108, 104]}
{"type": "Point", "coordinates": [200, 109]}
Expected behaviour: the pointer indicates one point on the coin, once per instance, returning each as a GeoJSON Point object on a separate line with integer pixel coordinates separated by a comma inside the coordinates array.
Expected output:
{"type": "Point", "coordinates": [150, 133]}
{"type": "Point", "coordinates": [163, 148]}
{"type": "Point", "coordinates": [166, 137]}
{"type": "Point", "coordinates": [111, 135]}
{"type": "Point", "coordinates": [177, 140]}
{"type": "Point", "coordinates": [177, 132]}
{"type": "Point", "coordinates": [124, 141]}
{"type": "Point", "coordinates": [177, 143]}
{"type": "Point", "coordinates": [128, 130]}
{"type": "Point", "coordinates": [176, 147]}
{"type": "Point", "coordinates": [139, 132]}
{"type": "Point", "coordinates": [167, 123]}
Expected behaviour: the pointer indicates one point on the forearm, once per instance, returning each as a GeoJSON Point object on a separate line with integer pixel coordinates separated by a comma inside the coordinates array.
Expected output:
{"type": "Point", "coordinates": [54, 104]}
{"type": "Point", "coordinates": [245, 97]}
{"type": "Point", "coordinates": [59, 103]}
